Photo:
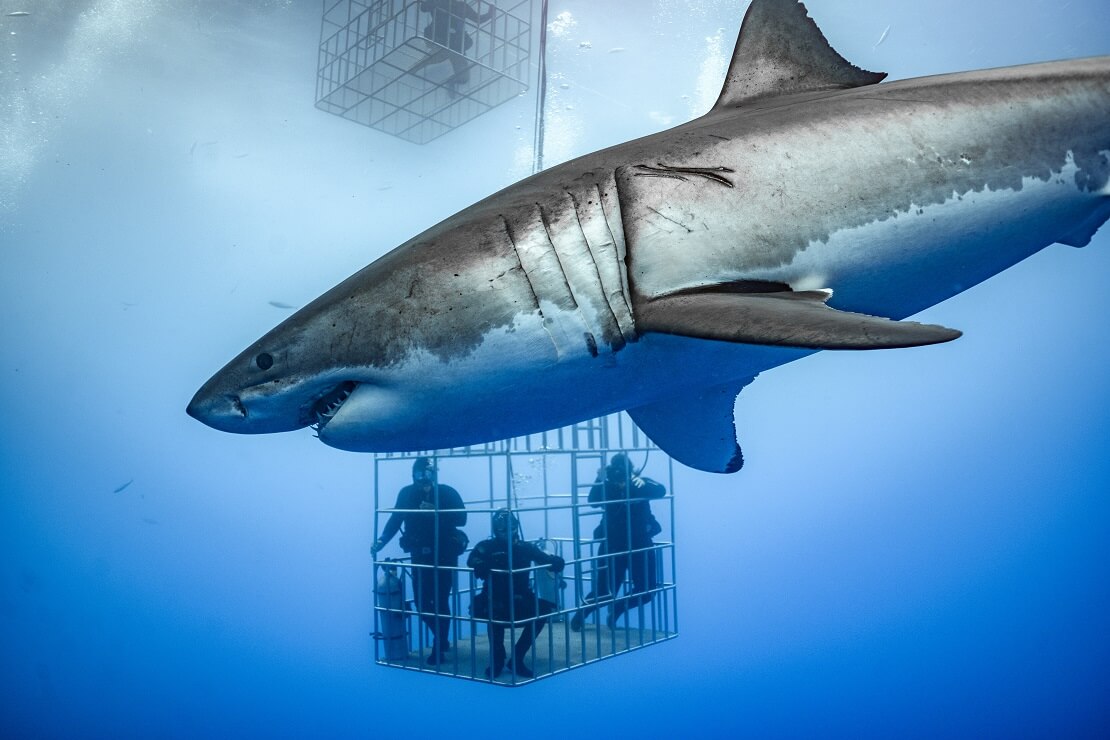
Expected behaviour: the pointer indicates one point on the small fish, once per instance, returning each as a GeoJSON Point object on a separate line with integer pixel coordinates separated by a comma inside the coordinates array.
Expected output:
{"type": "Point", "coordinates": [125, 485]}
{"type": "Point", "coordinates": [882, 38]}
{"type": "Point", "coordinates": [616, 50]}
{"type": "Point", "coordinates": [148, 520]}
{"type": "Point", "coordinates": [280, 304]}
{"type": "Point", "coordinates": [18, 14]}
{"type": "Point", "coordinates": [239, 156]}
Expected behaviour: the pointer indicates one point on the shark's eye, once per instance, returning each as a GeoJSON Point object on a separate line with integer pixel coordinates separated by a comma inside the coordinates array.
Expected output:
{"type": "Point", "coordinates": [264, 361]}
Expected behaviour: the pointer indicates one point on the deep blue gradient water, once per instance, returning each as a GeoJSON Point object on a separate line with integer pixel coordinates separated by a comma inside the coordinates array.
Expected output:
{"type": "Point", "coordinates": [919, 545]}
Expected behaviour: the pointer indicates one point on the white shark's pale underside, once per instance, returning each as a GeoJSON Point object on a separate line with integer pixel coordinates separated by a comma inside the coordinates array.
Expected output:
{"type": "Point", "coordinates": [811, 208]}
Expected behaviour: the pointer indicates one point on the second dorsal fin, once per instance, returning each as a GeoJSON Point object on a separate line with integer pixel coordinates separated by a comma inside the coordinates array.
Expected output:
{"type": "Point", "coordinates": [781, 51]}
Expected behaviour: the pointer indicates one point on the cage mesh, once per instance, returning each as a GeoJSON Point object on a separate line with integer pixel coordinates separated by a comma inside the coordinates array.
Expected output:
{"type": "Point", "coordinates": [418, 68]}
{"type": "Point", "coordinates": [545, 480]}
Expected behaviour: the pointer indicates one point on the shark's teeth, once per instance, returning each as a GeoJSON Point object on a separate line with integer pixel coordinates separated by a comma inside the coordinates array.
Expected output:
{"type": "Point", "coordinates": [326, 407]}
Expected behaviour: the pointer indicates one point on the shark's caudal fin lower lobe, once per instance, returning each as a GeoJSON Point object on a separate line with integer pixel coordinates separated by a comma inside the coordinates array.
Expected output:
{"type": "Point", "coordinates": [782, 51]}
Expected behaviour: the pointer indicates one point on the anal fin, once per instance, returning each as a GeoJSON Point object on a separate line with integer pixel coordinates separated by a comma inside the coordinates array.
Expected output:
{"type": "Point", "coordinates": [785, 319]}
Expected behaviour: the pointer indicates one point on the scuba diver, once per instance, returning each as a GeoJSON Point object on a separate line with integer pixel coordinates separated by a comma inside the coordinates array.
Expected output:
{"type": "Point", "coordinates": [431, 513]}
{"type": "Point", "coordinates": [447, 39]}
{"type": "Point", "coordinates": [626, 530]}
{"type": "Point", "coordinates": [504, 600]}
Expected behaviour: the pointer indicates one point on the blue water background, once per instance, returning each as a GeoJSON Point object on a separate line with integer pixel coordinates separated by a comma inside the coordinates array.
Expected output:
{"type": "Point", "coordinates": [919, 545]}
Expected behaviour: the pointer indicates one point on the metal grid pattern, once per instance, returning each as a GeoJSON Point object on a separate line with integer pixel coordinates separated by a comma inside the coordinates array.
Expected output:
{"type": "Point", "coordinates": [544, 479]}
{"type": "Point", "coordinates": [418, 68]}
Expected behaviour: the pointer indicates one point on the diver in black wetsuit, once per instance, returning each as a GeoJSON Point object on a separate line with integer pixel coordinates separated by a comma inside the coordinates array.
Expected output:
{"type": "Point", "coordinates": [504, 600]}
{"type": "Point", "coordinates": [432, 514]}
{"type": "Point", "coordinates": [627, 527]}
{"type": "Point", "coordinates": [448, 29]}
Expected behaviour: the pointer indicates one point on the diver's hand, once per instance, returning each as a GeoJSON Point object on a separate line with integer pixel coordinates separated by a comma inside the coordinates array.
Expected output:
{"type": "Point", "coordinates": [426, 505]}
{"type": "Point", "coordinates": [376, 547]}
{"type": "Point", "coordinates": [637, 482]}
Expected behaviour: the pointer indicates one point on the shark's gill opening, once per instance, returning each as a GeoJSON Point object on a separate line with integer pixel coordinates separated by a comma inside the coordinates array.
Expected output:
{"type": "Point", "coordinates": [326, 406]}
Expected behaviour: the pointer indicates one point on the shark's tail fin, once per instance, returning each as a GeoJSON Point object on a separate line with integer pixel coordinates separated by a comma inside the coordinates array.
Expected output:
{"type": "Point", "coordinates": [781, 51]}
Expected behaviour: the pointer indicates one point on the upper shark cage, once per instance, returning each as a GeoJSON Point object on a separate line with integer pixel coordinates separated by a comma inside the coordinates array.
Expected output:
{"type": "Point", "coordinates": [419, 68]}
{"type": "Point", "coordinates": [615, 592]}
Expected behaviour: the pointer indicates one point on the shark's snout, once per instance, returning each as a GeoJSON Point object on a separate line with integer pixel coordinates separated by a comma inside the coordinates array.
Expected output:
{"type": "Point", "coordinates": [224, 412]}
{"type": "Point", "coordinates": [267, 407]}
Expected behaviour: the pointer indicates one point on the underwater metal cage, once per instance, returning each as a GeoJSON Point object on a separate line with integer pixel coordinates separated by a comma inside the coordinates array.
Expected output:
{"type": "Point", "coordinates": [419, 68]}
{"type": "Point", "coordinates": [545, 480]}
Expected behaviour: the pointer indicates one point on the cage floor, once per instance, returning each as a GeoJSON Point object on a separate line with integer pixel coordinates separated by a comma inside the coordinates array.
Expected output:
{"type": "Point", "coordinates": [557, 649]}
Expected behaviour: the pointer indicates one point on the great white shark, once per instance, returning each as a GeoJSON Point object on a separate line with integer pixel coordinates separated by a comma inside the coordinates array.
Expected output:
{"type": "Point", "coordinates": [812, 208]}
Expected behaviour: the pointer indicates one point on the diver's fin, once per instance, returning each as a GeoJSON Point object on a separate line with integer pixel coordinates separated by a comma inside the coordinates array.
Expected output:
{"type": "Point", "coordinates": [697, 429]}
{"type": "Point", "coordinates": [781, 51]}
{"type": "Point", "coordinates": [784, 318]}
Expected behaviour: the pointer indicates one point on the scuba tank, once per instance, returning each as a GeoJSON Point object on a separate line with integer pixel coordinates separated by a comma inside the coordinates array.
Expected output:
{"type": "Point", "coordinates": [389, 598]}
{"type": "Point", "coordinates": [548, 584]}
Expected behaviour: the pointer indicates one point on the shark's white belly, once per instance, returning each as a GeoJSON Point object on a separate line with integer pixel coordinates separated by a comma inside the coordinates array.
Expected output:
{"type": "Point", "coordinates": [514, 384]}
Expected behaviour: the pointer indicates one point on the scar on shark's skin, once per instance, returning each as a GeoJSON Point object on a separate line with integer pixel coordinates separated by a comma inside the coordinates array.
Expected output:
{"type": "Point", "coordinates": [679, 173]}
{"type": "Point", "coordinates": [668, 218]}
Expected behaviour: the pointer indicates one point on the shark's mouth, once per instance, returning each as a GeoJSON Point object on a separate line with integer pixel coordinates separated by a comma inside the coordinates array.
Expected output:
{"type": "Point", "coordinates": [327, 405]}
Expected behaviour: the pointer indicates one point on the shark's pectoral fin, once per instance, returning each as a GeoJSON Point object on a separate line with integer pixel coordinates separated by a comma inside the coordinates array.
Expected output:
{"type": "Point", "coordinates": [782, 51]}
{"type": "Point", "coordinates": [698, 429]}
{"type": "Point", "coordinates": [786, 319]}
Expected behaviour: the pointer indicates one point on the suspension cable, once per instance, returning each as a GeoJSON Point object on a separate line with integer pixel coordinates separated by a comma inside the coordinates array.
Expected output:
{"type": "Point", "coordinates": [541, 94]}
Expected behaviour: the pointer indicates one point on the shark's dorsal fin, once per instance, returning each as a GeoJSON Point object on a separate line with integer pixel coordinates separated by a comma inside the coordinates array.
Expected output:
{"type": "Point", "coordinates": [781, 51]}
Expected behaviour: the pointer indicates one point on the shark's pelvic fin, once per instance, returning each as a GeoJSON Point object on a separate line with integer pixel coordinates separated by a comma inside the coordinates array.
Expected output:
{"type": "Point", "coordinates": [786, 319]}
{"type": "Point", "coordinates": [1081, 233]}
{"type": "Point", "coordinates": [781, 51]}
{"type": "Point", "coordinates": [697, 429]}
